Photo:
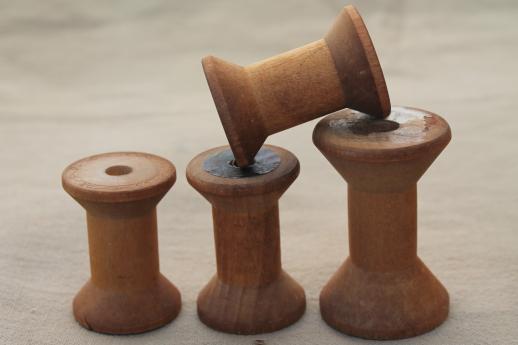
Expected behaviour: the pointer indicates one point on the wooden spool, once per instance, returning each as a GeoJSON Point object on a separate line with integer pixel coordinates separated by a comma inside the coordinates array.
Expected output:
{"type": "Point", "coordinates": [341, 70]}
{"type": "Point", "coordinates": [383, 290]}
{"type": "Point", "coordinates": [126, 292]}
{"type": "Point", "coordinates": [250, 293]}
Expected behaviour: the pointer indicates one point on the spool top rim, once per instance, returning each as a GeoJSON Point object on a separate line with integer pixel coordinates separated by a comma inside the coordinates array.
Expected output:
{"type": "Point", "coordinates": [276, 180]}
{"type": "Point", "coordinates": [405, 134]}
{"type": "Point", "coordinates": [119, 177]}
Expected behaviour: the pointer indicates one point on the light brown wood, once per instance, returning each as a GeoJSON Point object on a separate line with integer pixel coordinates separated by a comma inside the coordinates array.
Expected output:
{"type": "Point", "coordinates": [383, 290]}
{"type": "Point", "coordinates": [250, 293]}
{"type": "Point", "coordinates": [126, 292]}
{"type": "Point", "coordinates": [341, 70]}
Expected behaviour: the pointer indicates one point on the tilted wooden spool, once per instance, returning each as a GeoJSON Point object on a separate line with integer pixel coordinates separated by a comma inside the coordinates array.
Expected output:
{"type": "Point", "coordinates": [341, 70]}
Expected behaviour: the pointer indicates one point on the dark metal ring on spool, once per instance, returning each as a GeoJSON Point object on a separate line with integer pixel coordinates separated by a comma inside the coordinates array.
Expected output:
{"type": "Point", "coordinates": [222, 164]}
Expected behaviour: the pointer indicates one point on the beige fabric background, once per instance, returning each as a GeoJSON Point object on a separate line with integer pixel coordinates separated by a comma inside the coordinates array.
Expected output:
{"type": "Point", "coordinates": [83, 77]}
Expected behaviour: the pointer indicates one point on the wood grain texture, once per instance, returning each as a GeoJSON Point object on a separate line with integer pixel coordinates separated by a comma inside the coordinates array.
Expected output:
{"type": "Point", "coordinates": [126, 292]}
{"type": "Point", "coordinates": [250, 293]}
{"type": "Point", "coordinates": [383, 290]}
{"type": "Point", "coordinates": [338, 71]}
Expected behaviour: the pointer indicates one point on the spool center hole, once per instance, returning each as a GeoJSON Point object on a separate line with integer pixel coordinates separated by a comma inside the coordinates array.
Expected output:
{"type": "Point", "coordinates": [376, 126]}
{"type": "Point", "coordinates": [233, 163]}
{"type": "Point", "coordinates": [118, 170]}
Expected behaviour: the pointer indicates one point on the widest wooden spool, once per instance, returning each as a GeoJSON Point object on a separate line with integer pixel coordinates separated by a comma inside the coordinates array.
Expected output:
{"type": "Point", "coordinates": [383, 290]}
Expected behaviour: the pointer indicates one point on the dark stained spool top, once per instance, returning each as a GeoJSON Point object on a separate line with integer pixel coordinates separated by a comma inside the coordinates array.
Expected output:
{"type": "Point", "coordinates": [406, 133]}
{"type": "Point", "coordinates": [119, 177]}
{"type": "Point", "coordinates": [277, 179]}
{"type": "Point", "coordinates": [223, 164]}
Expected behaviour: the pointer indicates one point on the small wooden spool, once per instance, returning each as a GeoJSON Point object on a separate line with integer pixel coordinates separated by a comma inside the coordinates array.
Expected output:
{"type": "Point", "coordinates": [126, 292]}
{"type": "Point", "coordinates": [383, 290]}
{"type": "Point", "coordinates": [341, 70]}
{"type": "Point", "coordinates": [250, 293]}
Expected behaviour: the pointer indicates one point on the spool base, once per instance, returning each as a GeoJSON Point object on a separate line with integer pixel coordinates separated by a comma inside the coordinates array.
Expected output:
{"type": "Point", "coordinates": [117, 312]}
{"type": "Point", "coordinates": [384, 305]}
{"type": "Point", "coordinates": [251, 310]}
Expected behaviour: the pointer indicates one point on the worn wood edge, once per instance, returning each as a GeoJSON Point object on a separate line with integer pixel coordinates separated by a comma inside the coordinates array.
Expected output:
{"type": "Point", "coordinates": [285, 174]}
{"type": "Point", "coordinates": [372, 58]}
{"type": "Point", "coordinates": [229, 119]}
{"type": "Point", "coordinates": [349, 27]}
{"type": "Point", "coordinates": [369, 333]}
{"type": "Point", "coordinates": [162, 186]}
{"type": "Point", "coordinates": [381, 155]}
{"type": "Point", "coordinates": [160, 322]}
{"type": "Point", "coordinates": [210, 290]}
